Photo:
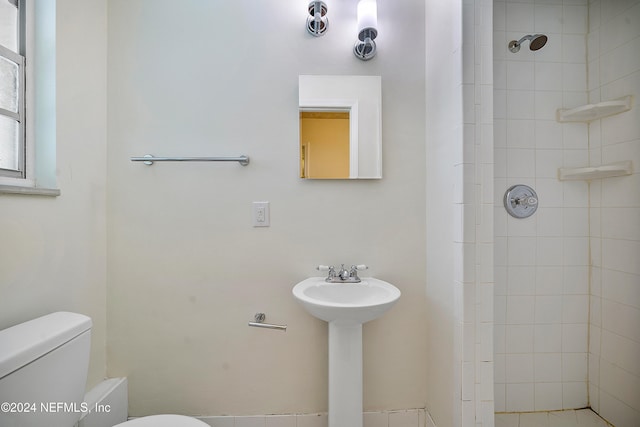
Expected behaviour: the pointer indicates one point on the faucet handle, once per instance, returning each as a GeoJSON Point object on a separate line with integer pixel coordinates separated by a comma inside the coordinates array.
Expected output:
{"type": "Point", "coordinates": [330, 269]}
{"type": "Point", "coordinates": [354, 271]}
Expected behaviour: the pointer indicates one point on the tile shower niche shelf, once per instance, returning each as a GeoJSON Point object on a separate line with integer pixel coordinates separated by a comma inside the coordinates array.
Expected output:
{"type": "Point", "coordinates": [589, 112]}
{"type": "Point", "coordinates": [596, 172]}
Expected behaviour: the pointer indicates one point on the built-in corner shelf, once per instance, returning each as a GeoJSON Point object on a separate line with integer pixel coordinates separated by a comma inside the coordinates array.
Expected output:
{"type": "Point", "coordinates": [589, 112]}
{"type": "Point", "coordinates": [596, 172]}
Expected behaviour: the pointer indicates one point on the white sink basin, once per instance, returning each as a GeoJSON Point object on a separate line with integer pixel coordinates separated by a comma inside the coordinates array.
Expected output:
{"type": "Point", "coordinates": [346, 302]}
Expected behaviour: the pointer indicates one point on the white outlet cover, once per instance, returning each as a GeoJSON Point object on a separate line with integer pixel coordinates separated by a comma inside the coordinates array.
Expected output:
{"type": "Point", "coordinates": [261, 216]}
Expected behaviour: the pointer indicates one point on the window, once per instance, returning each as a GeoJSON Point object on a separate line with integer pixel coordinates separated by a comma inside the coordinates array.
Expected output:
{"type": "Point", "coordinates": [12, 90]}
{"type": "Point", "coordinates": [28, 97]}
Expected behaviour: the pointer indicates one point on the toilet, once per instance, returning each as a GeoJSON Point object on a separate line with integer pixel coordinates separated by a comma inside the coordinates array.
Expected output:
{"type": "Point", "coordinates": [43, 373]}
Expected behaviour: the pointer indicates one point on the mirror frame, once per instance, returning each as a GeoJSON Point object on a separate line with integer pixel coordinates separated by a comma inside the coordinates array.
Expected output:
{"type": "Point", "coordinates": [361, 96]}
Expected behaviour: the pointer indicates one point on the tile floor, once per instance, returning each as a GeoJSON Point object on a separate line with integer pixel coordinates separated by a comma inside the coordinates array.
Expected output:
{"type": "Point", "coordinates": [577, 418]}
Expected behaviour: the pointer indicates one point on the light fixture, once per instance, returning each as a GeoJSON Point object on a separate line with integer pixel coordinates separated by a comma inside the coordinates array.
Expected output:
{"type": "Point", "coordinates": [317, 21]}
{"type": "Point", "coordinates": [365, 47]}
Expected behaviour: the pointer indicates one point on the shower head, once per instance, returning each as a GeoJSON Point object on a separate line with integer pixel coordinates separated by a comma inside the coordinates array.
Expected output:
{"type": "Point", "coordinates": [536, 41]}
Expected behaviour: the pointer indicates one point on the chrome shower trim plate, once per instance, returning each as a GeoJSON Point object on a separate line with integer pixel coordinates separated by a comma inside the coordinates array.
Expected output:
{"type": "Point", "coordinates": [520, 201]}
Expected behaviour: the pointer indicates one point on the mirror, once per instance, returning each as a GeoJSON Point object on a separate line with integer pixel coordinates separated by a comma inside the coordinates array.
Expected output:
{"type": "Point", "coordinates": [340, 127]}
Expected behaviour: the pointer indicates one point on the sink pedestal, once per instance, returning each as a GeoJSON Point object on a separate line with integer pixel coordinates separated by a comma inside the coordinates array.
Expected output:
{"type": "Point", "coordinates": [345, 306]}
{"type": "Point", "coordinates": [345, 374]}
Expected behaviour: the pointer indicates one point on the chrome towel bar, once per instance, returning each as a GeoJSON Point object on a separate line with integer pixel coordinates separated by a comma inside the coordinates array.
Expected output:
{"type": "Point", "coordinates": [259, 323]}
{"type": "Point", "coordinates": [148, 159]}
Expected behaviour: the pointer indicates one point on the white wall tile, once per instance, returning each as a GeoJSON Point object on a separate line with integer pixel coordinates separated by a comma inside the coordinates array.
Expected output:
{"type": "Point", "coordinates": [617, 411]}
{"type": "Point", "coordinates": [574, 77]}
{"type": "Point", "coordinates": [221, 421]}
{"type": "Point", "coordinates": [575, 136]}
{"type": "Point", "coordinates": [548, 18]}
{"type": "Point", "coordinates": [547, 367]}
{"type": "Point", "coordinates": [548, 133]}
{"type": "Point", "coordinates": [376, 419]}
{"type": "Point", "coordinates": [550, 220]}
{"type": "Point", "coordinates": [250, 421]}
{"type": "Point", "coordinates": [549, 280]}
{"type": "Point", "coordinates": [574, 395]}
{"type": "Point", "coordinates": [574, 19]}
{"type": "Point", "coordinates": [519, 339]}
{"type": "Point", "coordinates": [280, 421]}
{"type": "Point", "coordinates": [574, 309]}
{"type": "Point", "coordinates": [520, 310]}
{"type": "Point", "coordinates": [499, 338]}
{"type": "Point", "coordinates": [548, 396]}
{"type": "Point", "coordinates": [621, 287]}
{"type": "Point", "coordinates": [548, 162]}
{"type": "Point", "coordinates": [548, 309]}
{"type": "Point", "coordinates": [549, 250]}
{"type": "Point", "coordinates": [521, 134]}
{"type": "Point", "coordinates": [520, 75]}
{"type": "Point", "coordinates": [312, 420]}
{"type": "Point", "coordinates": [574, 48]}
{"type": "Point", "coordinates": [620, 319]}
{"type": "Point", "coordinates": [519, 368]}
{"type": "Point", "coordinates": [548, 77]}
{"type": "Point", "coordinates": [574, 367]}
{"type": "Point", "coordinates": [519, 397]}
{"type": "Point", "coordinates": [621, 223]}
{"type": "Point", "coordinates": [519, 16]}
{"type": "Point", "coordinates": [521, 250]}
{"type": "Point", "coordinates": [500, 397]}
{"type": "Point", "coordinates": [575, 338]}
{"type": "Point", "coordinates": [575, 194]}
{"type": "Point", "coordinates": [621, 28]}
{"type": "Point", "coordinates": [575, 222]}
{"type": "Point", "coordinates": [547, 338]}
{"type": "Point", "coordinates": [522, 280]}
{"type": "Point", "coordinates": [546, 104]}
{"type": "Point", "coordinates": [522, 227]}
{"type": "Point", "coordinates": [550, 192]}
{"type": "Point", "coordinates": [520, 104]}
{"type": "Point", "coordinates": [576, 280]}
{"type": "Point", "coordinates": [408, 418]}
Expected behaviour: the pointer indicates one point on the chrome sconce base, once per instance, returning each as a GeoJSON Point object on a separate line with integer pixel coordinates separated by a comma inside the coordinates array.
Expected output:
{"type": "Point", "coordinates": [317, 21]}
{"type": "Point", "coordinates": [365, 47]}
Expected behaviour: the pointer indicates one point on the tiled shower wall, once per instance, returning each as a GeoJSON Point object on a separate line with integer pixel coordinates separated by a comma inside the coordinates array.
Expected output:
{"type": "Point", "coordinates": [541, 263]}
{"type": "Point", "coordinates": [475, 215]}
{"type": "Point", "coordinates": [614, 345]}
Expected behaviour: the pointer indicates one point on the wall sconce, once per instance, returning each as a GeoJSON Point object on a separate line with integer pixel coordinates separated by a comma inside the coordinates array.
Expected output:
{"type": "Point", "coordinates": [365, 47]}
{"type": "Point", "coordinates": [317, 21]}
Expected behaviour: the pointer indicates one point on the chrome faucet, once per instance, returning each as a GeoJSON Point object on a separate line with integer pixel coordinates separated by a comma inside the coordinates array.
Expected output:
{"type": "Point", "coordinates": [343, 275]}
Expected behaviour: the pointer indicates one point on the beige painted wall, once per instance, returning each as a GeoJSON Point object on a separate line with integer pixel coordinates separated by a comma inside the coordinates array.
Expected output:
{"type": "Point", "coordinates": [53, 252]}
{"type": "Point", "coordinates": [186, 269]}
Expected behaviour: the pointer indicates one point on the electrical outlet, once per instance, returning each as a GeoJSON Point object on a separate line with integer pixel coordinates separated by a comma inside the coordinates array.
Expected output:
{"type": "Point", "coordinates": [261, 217]}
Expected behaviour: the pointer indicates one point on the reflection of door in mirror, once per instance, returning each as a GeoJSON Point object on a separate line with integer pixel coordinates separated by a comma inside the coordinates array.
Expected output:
{"type": "Point", "coordinates": [324, 144]}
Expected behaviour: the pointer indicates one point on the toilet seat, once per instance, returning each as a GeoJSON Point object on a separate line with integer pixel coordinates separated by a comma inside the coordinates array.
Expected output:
{"type": "Point", "coordinates": [163, 421]}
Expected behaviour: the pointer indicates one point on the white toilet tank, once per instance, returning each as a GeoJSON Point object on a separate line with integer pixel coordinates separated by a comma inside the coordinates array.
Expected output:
{"type": "Point", "coordinates": [43, 371]}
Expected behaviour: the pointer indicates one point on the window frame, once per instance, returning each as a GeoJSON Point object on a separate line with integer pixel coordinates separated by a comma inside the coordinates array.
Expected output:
{"type": "Point", "coordinates": [37, 44]}
{"type": "Point", "coordinates": [18, 59]}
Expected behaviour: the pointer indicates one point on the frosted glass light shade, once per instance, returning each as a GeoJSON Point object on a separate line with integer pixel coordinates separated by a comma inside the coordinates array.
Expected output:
{"type": "Point", "coordinates": [367, 17]}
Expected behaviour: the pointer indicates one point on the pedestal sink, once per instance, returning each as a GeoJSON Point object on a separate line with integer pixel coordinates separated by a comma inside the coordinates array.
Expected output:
{"type": "Point", "coordinates": [346, 306]}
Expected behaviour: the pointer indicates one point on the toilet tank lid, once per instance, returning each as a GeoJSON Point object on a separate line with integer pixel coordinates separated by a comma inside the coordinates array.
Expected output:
{"type": "Point", "coordinates": [25, 342]}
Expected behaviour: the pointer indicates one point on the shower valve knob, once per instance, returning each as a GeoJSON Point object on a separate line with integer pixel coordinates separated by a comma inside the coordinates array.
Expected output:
{"type": "Point", "coordinates": [520, 201]}
{"type": "Point", "coordinates": [526, 201]}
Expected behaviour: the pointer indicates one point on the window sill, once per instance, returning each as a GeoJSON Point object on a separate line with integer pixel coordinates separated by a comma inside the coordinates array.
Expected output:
{"type": "Point", "coordinates": [29, 191]}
